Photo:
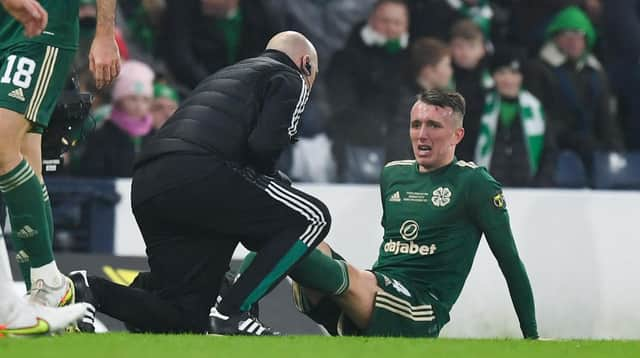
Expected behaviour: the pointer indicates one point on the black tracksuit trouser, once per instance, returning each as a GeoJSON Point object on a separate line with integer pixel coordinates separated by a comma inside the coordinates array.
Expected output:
{"type": "Point", "coordinates": [191, 229]}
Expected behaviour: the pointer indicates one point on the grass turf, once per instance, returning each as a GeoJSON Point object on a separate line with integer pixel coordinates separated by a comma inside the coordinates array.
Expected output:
{"type": "Point", "coordinates": [121, 345]}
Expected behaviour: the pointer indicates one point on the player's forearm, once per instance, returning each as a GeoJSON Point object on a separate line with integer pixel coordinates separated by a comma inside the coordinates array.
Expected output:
{"type": "Point", "coordinates": [522, 298]}
{"type": "Point", "coordinates": [106, 18]}
{"type": "Point", "coordinates": [503, 247]}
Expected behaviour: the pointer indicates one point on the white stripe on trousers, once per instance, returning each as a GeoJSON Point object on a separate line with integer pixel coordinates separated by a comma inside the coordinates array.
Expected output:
{"type": "Point", "coordinates": [315, 213]}
{"type": "Point", "coordinates": [43, 83]}
{"type": "Point", "coordinates": [310, 211]}
{"type": "Point", "coordinates": [313, 217]}
{"type": "Point", "coordinates": [302, 101]}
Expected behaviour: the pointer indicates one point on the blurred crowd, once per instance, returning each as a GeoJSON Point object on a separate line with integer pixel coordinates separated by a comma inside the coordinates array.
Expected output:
{"type": "Point", "coordinates": [549, 84]}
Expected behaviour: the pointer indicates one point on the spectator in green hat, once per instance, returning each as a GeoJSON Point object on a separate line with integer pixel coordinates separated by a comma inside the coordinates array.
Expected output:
{"type": "Point", "coordinates": [164, 104]}
{"type": "Point", "coordinates": [572, 32]}
{"type": "Point", "coordinates": [574, 88]}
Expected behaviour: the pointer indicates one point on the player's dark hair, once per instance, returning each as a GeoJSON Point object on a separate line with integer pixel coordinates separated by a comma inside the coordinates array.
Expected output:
{"type": "Point", "coordinates": [443, 98]}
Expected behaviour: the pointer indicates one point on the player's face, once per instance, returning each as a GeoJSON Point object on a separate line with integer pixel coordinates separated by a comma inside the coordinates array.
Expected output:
{"type": "Point", "coordinates": [434, 135]}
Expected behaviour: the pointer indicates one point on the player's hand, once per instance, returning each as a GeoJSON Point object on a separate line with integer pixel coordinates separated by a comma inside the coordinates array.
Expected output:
{"type": "Point", "coordinates": [29, 13]}
{"type": "Point", "coordinates": [104, 59]}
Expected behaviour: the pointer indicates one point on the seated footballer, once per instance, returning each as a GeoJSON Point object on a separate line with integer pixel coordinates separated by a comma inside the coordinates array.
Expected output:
{"type": "Point", "coordinates": [435, 210]}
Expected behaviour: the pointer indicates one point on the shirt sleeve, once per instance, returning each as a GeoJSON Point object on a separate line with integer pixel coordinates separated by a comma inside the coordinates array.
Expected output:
{"type": "Point", "coordinates": [489, 211]}
{"type": "Point", "coordinates": [277, 124]}
{"type": "Point", "coordinates": [383, 186]}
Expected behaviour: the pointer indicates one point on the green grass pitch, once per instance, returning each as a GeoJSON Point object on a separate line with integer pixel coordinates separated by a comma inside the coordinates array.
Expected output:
{"type": "Point", "coordinates": [121, 345]}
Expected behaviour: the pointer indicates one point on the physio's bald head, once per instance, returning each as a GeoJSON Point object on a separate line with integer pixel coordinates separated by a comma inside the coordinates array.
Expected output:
{"type": "Point", "coordinates": [299, 49]}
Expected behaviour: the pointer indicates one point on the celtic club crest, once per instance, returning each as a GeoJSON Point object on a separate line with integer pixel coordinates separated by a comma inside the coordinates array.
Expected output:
{"type": "Point", "coordinates": [441, 197]}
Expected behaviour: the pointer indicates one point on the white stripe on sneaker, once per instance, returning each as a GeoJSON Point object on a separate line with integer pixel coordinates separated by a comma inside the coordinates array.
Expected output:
{"type": "Point", "coordinates": [244, 325]}
{"type": "Point", "coordinates": [252, 327]}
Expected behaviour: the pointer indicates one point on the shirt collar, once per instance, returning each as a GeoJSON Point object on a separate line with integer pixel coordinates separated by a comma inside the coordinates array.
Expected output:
{"type": "Point", "coordinates": [280, 57]}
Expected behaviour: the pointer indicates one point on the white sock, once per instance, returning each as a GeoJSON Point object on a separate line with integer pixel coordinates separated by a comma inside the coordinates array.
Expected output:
{"type": "Point", "coordinates": [5, 268]}
{"type": "Point", "coordinates": [14, 311]}
{"type": "Point", "coordinates": [49, 273]}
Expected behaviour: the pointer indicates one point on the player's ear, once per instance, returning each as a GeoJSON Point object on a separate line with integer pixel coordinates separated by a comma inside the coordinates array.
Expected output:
{"type": "Point", "coordinates": [458, 135]}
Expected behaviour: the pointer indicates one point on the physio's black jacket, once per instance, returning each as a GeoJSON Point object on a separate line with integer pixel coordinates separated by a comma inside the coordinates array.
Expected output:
{"type": "Point", "coordinates": [246, 114]}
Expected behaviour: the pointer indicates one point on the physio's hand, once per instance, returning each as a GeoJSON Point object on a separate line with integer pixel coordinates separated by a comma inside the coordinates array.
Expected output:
{"type": "Point", "coordinates": [104, 59]}
{"type": "Point", "coordinates": [29, 13]}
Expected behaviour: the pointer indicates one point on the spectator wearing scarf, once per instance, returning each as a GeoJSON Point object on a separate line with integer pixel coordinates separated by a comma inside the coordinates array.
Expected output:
{"type": "Point", "coordinates": [514, 142]}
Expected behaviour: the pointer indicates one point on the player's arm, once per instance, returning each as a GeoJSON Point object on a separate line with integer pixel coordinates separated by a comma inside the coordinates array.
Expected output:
{"type": "Point", "coordinates": [278, 122]}
{"type": "Point", "coordinates": [104, 56]}
{"type": "Point", "coordinates": [491, 216]}
{"type": "Point", "coordinates": [29, 13]}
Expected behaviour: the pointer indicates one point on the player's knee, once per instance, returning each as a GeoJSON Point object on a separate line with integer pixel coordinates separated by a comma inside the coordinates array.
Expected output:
{"type": "Point", "coordinates": [9, 158]}
{"type": "Point", "coordinates": [11, 133]}
{"type": "Point", "coordinates": [362, 284]}
{"type": "Point", "coordinates": [324, 248]}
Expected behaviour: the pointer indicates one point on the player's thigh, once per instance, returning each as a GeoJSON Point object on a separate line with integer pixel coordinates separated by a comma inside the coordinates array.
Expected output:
{"type": "Point", "coordinates": [12, 130]}
{"type": "Point", "coordinates": [358, 301]}
{"type": "Point", "coordinates": [400, 311]}
{"type": "Point", "coordinates": [32, 76]}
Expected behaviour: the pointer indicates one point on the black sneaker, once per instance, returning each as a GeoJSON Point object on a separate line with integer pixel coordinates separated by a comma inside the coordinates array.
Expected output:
{"type": "Point", "coordinates": [242, 324]}
{"type": "Point", "coordinates": [84, 294]}
{"type": "Point", "coordinates": [228, 280]}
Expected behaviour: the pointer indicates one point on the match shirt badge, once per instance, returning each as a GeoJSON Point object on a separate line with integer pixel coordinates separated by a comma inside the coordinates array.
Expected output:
{"type": "Point", "coordinates": [441, 196]}
{"type": "Point", "coordinates": [409, 230]}
{"type": "Point", "coordinates": [498, 201]}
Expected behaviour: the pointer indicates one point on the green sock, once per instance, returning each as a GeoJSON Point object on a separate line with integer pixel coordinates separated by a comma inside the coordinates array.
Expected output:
{"type": "Point", "coordinates": [48, 212]}
{"type": "Point", "coordinates": [316, 271]}
{"type": "Point", "coordinates": [22, 258]}
{"type": "Point", "coordinates": [23, 196]}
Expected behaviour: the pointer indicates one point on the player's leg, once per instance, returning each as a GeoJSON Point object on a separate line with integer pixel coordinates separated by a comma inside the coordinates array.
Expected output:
{"type": "Point", "coordinates": [30, 149]}
{"type": "Point", "coordinates": [33, 76]}
{"type": "Point", "coordinates": [399, 310]}
{"type": "Point", "coordinates": [12, 128]}
{"type": "Point", "coordinates": [356, 301]}
{"type": "Point", "coordinates": [373, 305]}
{"type": "Point", "coordinates": [320, 276]}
